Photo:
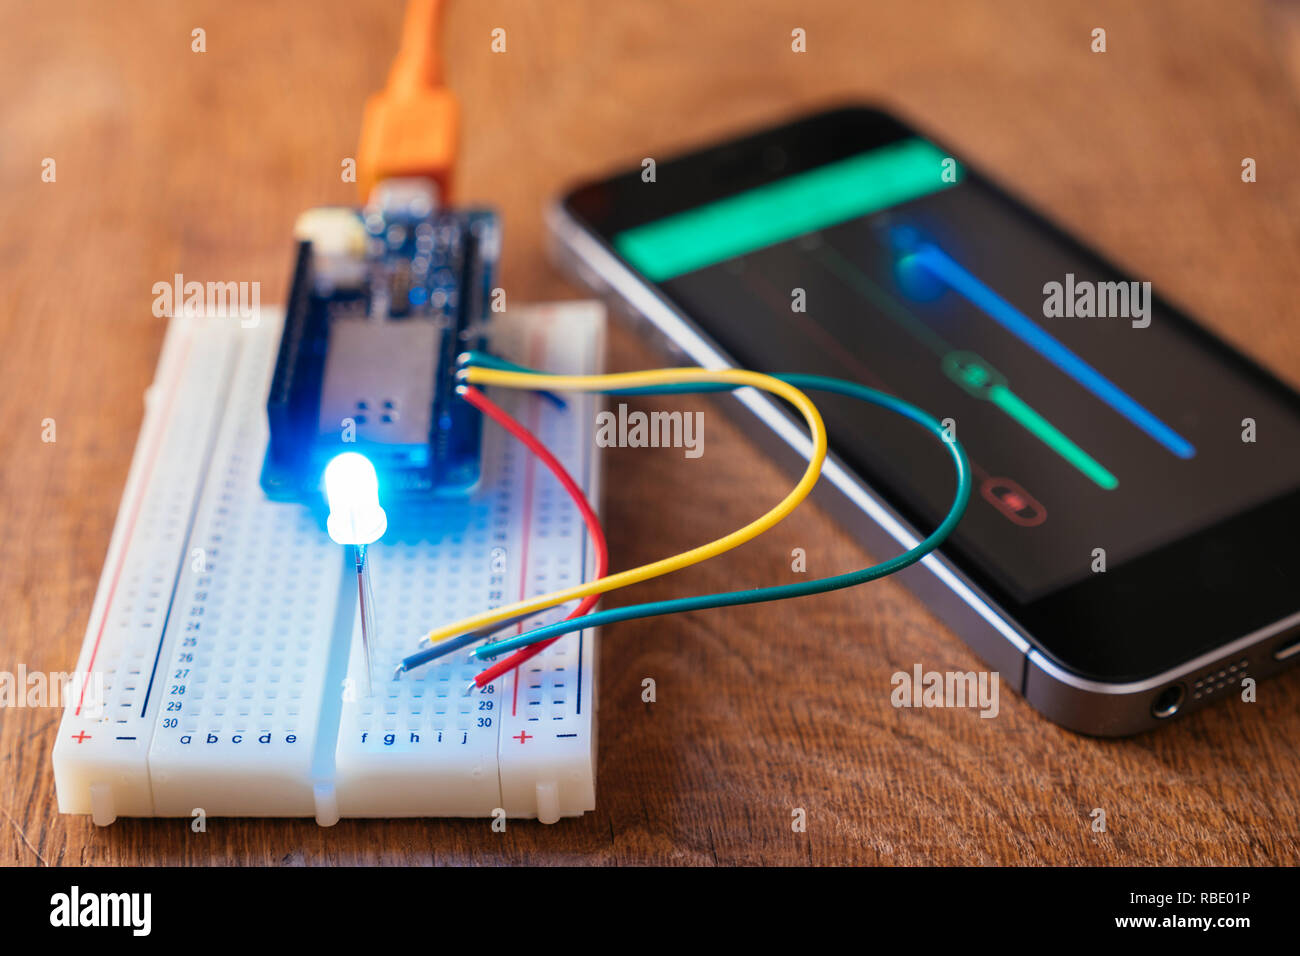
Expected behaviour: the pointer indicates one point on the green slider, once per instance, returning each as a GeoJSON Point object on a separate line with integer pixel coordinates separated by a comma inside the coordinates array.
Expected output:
{"type": "Point", "coordinates": [1051, 436]}
{"type": "Point", "coordinates": [789, 207]}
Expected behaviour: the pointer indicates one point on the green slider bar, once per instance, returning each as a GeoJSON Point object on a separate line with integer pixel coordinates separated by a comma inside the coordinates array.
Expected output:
{"type": "Point", "coordinates": [1051, 436]}
{"type": "Point", "coordinates": [789, 207]}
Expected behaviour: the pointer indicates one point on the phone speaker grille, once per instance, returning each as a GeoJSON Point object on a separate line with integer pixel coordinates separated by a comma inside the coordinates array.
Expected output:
{"type": "Point", "coordinates": [1218, 679]}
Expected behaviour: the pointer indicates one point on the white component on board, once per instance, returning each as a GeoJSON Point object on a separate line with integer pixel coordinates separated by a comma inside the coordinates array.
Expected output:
{"type": "Point", "coordinates": [352, 490]}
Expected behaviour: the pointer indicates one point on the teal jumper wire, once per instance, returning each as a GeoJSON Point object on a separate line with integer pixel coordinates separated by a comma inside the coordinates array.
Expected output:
{"type": "Point", "coordinates": [750, 596]}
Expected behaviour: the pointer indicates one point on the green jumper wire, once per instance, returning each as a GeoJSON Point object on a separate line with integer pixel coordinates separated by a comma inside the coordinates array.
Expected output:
{"type": "Point", "coordinates": [753, 595]}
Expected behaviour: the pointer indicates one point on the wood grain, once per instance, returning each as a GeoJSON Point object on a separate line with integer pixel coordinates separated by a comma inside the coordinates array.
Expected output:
{"type": "Point", "coordinates": [171, 161]}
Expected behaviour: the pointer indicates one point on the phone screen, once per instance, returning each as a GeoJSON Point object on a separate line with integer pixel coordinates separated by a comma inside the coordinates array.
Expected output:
{"type": "Point", "coordinates": [1100, 425]}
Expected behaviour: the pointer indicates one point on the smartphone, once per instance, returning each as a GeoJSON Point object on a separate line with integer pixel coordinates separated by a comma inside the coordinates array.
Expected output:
{"type": "Point", "coordinates": [1129, 552]}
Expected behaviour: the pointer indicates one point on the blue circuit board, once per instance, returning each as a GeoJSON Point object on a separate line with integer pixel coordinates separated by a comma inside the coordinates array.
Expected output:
{"type": "Point", "coordinates": [383, 300]}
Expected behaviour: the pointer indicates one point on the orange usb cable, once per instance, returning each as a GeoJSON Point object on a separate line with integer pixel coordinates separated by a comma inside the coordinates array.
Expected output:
{"type": "Point", "coordinates": [411, 127]}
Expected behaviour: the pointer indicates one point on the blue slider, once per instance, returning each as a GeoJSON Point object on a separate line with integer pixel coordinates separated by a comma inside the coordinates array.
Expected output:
{"type": "Point", "coordinates": [944, 267]}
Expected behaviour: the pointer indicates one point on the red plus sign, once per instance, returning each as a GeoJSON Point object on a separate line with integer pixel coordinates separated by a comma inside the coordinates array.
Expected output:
{"type": "Point", "coordinates": [81, 737]}
{"type": "Point", "coordinates": [523, 736]}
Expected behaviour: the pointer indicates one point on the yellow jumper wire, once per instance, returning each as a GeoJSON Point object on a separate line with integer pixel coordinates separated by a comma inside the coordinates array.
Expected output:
{"type": "Point", "coordinates": [667, 376]}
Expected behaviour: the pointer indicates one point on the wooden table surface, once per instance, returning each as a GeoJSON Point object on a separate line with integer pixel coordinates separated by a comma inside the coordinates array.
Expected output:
{"type": "Point", "coordinates": [174, 161]}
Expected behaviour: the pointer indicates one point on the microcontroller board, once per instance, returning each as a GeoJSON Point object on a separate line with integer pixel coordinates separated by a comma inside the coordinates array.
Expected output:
{"type": "Point", "coordinates": [383, 299]}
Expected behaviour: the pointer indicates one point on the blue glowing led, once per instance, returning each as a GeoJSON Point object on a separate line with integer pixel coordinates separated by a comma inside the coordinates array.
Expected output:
{"type": "Point", "coordinates": [352, 490]}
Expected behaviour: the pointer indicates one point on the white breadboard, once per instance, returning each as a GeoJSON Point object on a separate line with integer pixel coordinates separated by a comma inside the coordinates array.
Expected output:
{"type": "Point", "coordinates": [224, 666]}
